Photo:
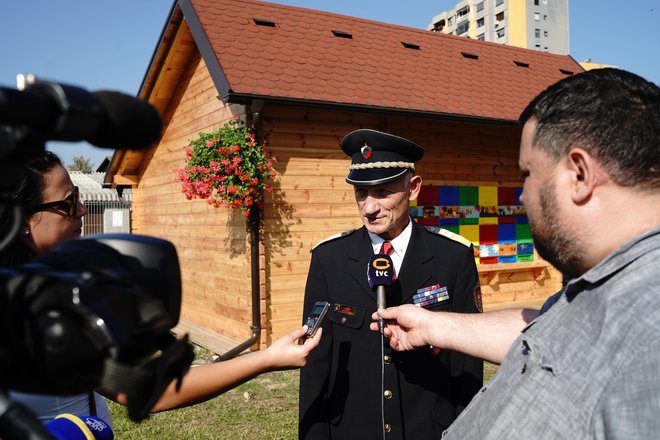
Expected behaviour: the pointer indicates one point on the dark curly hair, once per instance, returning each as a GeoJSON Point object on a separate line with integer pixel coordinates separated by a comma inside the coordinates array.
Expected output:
{"type": "Point", "coordinates": [612, 114]}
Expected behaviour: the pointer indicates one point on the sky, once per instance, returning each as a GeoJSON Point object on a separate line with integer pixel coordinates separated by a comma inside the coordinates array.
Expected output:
{"type": "Point", "coordinates": [107, 45]}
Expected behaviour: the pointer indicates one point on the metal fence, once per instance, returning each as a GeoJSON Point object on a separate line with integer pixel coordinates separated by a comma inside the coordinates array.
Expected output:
{"type": "Point", "coordinates": [106, 216]}
{"type": "Point", "coordinates": [108, 211]}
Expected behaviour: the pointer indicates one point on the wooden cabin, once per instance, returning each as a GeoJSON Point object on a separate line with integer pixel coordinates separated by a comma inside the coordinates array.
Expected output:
{"type": "Point", "coordinates": [303, 79]}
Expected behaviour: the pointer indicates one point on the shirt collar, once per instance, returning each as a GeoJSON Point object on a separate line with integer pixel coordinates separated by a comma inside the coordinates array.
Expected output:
{"type": "Point", "coordinates": [617, 260]}
{"type": "Point", "coordinates": [399, 243]}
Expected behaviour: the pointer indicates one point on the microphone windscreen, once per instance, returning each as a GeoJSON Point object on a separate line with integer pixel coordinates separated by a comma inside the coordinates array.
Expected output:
{"type": "Point", "coordinates": [380, 271]}
{"type": "Point", "coordinates": [129, 122]}
{"type": "Point", "coordinates": [70, 427]}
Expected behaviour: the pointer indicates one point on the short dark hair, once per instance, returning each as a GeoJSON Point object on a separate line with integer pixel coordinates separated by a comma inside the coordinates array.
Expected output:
{"type": "Point", "coordinates": [30, 192]}
{"type": "Point", "coordinates": [611, 113]}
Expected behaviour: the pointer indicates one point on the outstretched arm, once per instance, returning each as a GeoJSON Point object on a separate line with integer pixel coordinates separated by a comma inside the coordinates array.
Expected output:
{"type": "Point", "coordinates": [205, 382]}
{"type": "Point", "coordinates": [486, 335]}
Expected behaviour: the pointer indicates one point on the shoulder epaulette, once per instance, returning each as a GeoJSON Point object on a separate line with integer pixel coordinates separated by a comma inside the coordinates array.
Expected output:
{"type": "Point", "coordinates": [448, 234]}
{"type": "Point", "coordinates": [333, 237]}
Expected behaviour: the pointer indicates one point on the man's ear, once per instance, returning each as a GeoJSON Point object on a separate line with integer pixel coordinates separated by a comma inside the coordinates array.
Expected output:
{"type": "Point", "coordinates": [414, 187]}
{"type": "Point", "coordinates": [586, 174]}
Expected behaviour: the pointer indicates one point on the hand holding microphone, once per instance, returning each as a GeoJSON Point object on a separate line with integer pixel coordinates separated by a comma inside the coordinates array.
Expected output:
{"type": "Point", "coordinates": [380, 274]}
{"type": "Point", "coordinates": [410, 327]}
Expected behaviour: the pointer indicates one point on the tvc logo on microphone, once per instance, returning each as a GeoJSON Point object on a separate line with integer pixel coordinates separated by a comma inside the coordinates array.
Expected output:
{"type": "Point", "coordinates": [380, 271]}
{"type": "Point", "coordinates": [380, 275]}
{"type": "Point", "coordinates": [381, 266]}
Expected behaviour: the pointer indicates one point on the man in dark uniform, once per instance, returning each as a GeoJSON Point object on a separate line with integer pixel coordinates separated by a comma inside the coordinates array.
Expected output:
{"type": "Point", "coordinates": [352, 386]}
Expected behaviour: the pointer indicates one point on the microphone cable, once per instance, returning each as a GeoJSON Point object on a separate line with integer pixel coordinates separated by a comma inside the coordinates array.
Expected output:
{"type": "Point", "coordinates": [379, 276]}
{"type": "Point", "coordinates": [382, 383]}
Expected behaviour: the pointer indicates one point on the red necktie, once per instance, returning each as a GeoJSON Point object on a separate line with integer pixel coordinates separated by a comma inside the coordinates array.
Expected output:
{"type": "Point", "coordinates": [387, 248]}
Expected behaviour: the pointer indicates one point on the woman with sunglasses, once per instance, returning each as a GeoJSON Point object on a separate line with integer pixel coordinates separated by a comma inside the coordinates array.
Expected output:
{"type": "Point", "coordinates": [54, 213]}
{"type": "Point", "coordinates": [53, 210]}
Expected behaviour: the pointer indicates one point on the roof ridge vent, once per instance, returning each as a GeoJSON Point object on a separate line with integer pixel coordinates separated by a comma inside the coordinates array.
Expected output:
{"type": "Point", "coordinates": [342, 34]}
{"type": "Point", "coordinates": [521, 63]}
{"type": "Point", "coordinates": [411, 45]}
{"type": "Point", "coordinates": [472, 56]}
{"type": "Point", "coordinates": [566, 72]}
{"type": "Point", "coordinates": [262, 22]}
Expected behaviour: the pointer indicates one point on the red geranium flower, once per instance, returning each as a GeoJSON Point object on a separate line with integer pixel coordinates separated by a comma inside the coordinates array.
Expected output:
{"type": "Point", "coordinates": [227, 168]}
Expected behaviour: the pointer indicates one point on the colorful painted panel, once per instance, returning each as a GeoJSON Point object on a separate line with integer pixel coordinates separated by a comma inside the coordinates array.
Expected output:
{"type": "Point", "coordinates": [491, 217]}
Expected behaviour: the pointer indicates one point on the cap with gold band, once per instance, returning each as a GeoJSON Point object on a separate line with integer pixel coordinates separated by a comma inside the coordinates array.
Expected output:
{"type": "Point", "coordinates": [377, 157]}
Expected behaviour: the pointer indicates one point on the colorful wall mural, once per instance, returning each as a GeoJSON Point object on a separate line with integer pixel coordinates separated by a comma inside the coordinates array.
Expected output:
{"type": "Point", "coordinates": [491, 217]}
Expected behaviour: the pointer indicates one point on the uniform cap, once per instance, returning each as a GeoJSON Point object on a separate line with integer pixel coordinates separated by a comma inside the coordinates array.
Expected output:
{"type": "Point", "coordinates": [378, 157]}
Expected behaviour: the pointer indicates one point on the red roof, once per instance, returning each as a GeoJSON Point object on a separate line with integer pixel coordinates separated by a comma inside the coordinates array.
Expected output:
{"type": "Point", "coordinates": [302, 54]}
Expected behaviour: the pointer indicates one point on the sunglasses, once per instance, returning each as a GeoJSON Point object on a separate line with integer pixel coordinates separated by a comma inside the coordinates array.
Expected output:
{"type": "Point", "coordinates": [69, 205]}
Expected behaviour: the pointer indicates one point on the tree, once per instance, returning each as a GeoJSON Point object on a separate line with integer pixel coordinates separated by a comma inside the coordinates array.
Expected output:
{"type": "Point", "coordinates": [80, 163]}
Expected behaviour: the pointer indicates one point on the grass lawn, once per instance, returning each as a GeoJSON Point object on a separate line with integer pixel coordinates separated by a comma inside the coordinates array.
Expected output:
{"type": "Point", "coordinates": [263, 408]}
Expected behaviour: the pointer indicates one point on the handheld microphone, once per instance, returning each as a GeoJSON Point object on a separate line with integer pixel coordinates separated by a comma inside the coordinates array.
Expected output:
{"type": "Point", "coordinates": [70, 427]}
{"type": "Point", "coordinates": [380, 274]}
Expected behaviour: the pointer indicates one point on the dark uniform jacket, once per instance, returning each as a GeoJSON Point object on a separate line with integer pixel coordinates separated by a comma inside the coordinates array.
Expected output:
{"type": "Point", "coordinates": [340, 387]}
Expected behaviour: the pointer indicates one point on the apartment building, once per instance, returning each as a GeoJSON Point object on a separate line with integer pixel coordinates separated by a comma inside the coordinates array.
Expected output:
{"type": "Point", "coordinates": [534, 24]}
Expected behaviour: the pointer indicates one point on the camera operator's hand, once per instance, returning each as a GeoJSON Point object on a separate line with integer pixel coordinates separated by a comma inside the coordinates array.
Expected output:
{"type": "Point", "coordinates": [292, 350]}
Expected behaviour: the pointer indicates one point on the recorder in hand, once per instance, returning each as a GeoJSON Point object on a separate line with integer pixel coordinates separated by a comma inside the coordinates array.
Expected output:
{"type": "Point", "coordinates": [316, 316]}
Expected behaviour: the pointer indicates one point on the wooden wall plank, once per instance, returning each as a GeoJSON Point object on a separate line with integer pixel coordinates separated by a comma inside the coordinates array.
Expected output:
{"type": "Point", "coordinates": [211, 243]}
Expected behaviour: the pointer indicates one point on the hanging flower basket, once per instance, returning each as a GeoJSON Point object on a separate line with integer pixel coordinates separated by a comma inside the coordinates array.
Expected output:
{"type": "Point", "coordinates": [227, 168]}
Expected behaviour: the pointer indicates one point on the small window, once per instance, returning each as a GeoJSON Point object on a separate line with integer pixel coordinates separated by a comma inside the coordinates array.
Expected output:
{"type": "Point", "coordinates": [500, 33]}
{"type": "Point", "coordinates": [463, 12]}
{"type": "Point", "coordinates": [545, 18]}
{"type": "Point", "coordinates": [481, 37]}
{"type": "Point", "coordinates": [451, 20]}
{"type": "Point", "coordinates": [480, 23]}
{"type": "Point", "coordinates": [439, 26]}
{"type": "Point", "coordinates": [498, 2]}
{"type": "Point", "coordinates": [499, 16]}
{"type": "Point", "coordinates": [411, 45]}
{"type": "Point", "coordinates": [537, 16]}
{"type": "Point", "coordinates": [521, 63]}
{"type": "Point", "coordinates": [537, 33]}
{"type": "Point", "coordinates": [480, 7]}
{"type": "Point", "coordinates": [472, 56]}
{"type": "Point", "coordinates": [342, 34]}
{"type": "Point", "coordinates": [538, 46]}
{"type": "Point", "coordinates": [545, 33]}
{"type": "Point", "coordinates": [536, 2]}
{"type": "Point", "coordinates": [462, 28]}
{"type": "Point", "coordinates": [267, 23]}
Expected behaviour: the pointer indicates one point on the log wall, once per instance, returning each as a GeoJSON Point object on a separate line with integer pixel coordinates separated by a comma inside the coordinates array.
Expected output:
{"type": "Point", "coordinates": [212, 243]}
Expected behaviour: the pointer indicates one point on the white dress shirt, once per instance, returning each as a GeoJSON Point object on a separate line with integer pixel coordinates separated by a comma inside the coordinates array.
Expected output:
{"type": "Point", "coordinates": [399, 245]}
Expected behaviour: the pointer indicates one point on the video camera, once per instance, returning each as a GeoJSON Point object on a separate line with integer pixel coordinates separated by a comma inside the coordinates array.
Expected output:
{"type": "Point", "coordinates": [96, 311]}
